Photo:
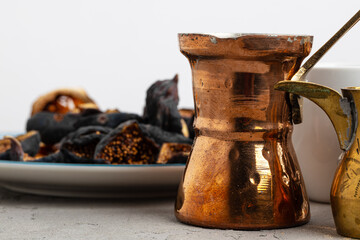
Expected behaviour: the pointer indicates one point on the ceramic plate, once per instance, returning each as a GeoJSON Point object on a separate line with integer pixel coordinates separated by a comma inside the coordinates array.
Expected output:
{"type": "Point", "coordinates": [85, 180]}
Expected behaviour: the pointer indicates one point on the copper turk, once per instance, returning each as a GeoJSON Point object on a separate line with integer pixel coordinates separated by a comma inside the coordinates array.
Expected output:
{"type": "Point", "coordinates": [242, 172]}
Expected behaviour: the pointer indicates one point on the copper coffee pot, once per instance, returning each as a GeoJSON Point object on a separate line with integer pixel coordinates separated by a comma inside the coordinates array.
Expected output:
{"type": "Point", "coordinates": [242, 172]}
{"type": "Point", "coordinates": [343, 112]}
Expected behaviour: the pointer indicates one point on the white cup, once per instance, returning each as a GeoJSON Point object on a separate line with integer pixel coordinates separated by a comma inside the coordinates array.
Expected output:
{"type": "Point", "coordinates": [315, 141]}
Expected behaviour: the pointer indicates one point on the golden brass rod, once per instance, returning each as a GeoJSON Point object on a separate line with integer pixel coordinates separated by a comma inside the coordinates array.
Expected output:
{"type": "Point", "coordinates": [300, 75]}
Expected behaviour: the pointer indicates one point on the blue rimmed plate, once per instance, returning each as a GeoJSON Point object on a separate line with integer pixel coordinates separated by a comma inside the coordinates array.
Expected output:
{"type": "Point", "coordinates": [88, 180]}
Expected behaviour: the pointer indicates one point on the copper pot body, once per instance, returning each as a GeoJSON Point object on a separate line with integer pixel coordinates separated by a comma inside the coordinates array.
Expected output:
{"type": "Point", "coordinates": [242, 172]}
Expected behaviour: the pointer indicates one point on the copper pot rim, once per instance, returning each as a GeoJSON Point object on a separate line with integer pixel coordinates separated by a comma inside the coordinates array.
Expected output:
{"type": "Point", "coordinates": [228, 35]}
{"type": "Point", "coordinates": [244, 45]}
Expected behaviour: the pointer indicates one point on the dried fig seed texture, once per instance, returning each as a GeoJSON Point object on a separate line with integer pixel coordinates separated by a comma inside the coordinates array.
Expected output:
{"type": "Point", "coordinates": [127, 145]}
{"type": "Point", "coordinates": [83, 141]}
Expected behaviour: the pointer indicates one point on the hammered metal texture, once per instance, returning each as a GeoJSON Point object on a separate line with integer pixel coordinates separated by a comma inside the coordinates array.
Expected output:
{"type": "Point", "coordinates": [242, 172]}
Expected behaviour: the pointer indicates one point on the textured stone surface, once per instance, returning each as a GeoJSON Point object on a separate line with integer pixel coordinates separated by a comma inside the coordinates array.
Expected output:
{"type": "Point", "coordinates": [36, 217]}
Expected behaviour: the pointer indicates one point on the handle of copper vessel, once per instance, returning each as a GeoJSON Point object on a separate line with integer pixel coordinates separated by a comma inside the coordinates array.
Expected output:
{"type": "Point", "coordinates": [330, 101]}
{"type": "Point", "coordinates": [301, 73]}
{"type": "Point", "coordinates": [309, 64]}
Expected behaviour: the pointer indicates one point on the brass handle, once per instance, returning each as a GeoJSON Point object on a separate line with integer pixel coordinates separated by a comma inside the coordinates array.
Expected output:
{"type": "Point", "coordinates": [301, 73]}
{"type": "Point", "coordinates": [296, 103]}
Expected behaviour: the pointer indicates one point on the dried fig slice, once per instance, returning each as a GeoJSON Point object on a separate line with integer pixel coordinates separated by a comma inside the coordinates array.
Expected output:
{"type": "Point", "coordinates": [14, 152]}
{"type": "Point", "coordinates": [127, 144]}
{"type": "Point", "coordinates": [161, 105]}
{"type": "Point", "coordinates": [46, 150]}
{"type": "Point", "coordinates": [4, 145]}
{"type": "Point", "coordinates": [174, 153]}
{"type": "Point", "coordinates": [30, 143]}
{"type": "Point", "coordinates": [83, 141]}
{"type": "Point", "coordinates": [53, 126]}
{"type": "Point", "coordinates": [76, 147]}
{"type": "Point", "coordinates": [63, 101]}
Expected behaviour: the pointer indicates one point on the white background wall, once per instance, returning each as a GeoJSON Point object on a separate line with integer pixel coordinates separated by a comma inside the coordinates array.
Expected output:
{"type": "Point", "coordinates": [115, 49]}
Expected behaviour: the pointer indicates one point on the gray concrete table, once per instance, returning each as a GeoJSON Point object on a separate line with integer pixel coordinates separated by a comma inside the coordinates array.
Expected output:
{"type": "Point", "coordinates": [25, 216]}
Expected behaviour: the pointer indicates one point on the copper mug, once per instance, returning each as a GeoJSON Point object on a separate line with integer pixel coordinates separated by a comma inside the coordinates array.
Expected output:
{"type": "Point", "coordinates": [242, 172]}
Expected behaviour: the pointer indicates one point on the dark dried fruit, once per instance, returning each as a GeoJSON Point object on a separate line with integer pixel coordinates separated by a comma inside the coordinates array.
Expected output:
{"type": "Point", "coordinates": [46, 150]}
{"type": "Point", "coordinates": [64, 156]}
{"type": "Point", "coordinates": [51, 158]}
{"type": "Point", "coordinates": [63, 101]}
{"type": "Point", "coordinates": [160, 136]}
{"type": "Point", "coordinates": [111, 120]}
{"type": "Point", "coordinates": [83, 141]}
{"type": "Point", "coordinates": [173, 153]}
{"type": "Point", "coordinates": [14, 152]}
{"type": "Point", "coordinates": [161, 105]}
{"type": "Point", "coordinates": [188, 115]}
{"type": "Point", "coordinates": [127, 144]}
{"type": "Point", "coordinates": [4, 145]}
{"type": "Point", "coordinates": [71, 158]}
{"type": "Point", "coordinates": [30, 143]}
{"type": "Point", "coordinates": [73, 130]}
{"type": "Point", "coordinates": [53, 126]}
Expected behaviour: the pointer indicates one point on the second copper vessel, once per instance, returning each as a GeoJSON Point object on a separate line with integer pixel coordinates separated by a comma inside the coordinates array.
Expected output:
{"type": "Point", "coordinates": [242, 172]}
{"type": "Point", "coordinates": [343, 111]}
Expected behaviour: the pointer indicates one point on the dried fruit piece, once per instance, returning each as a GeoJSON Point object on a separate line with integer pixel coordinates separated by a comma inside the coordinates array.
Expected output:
{"type": "Point", "coordinates": [161, 105]}
{"type": "Point", "coordinates": [56, 157]}
{"type": "Point", "coordinates": [46, 150]}
{"type": "Point", "coordinates": [83, 141]}
{"type": "Point", "coordinates": [188, 116]}
{"type": "Point", "coordinates": [111, 120]}
{"type": "Point", "coordinates": [64, 156]}
{"type": "Point", "coordinates": [174, 153]}
{"type": "Point", "coordinates": [62, 101]}
{"type": "Point", "coordinates": [53, 126]}
{"type": "Point", "coordinates": [160, 136]}
{"type": "Point", "coordinates": [30, 143]}
{"type": "Point", "coordinates": [127, 144]}
{"type": "Point", "coordinates": [15, 151]}
{"type": "Point", "coordinates": [4, 145]}
{"type": "Point", "coordinates": [71, 158]}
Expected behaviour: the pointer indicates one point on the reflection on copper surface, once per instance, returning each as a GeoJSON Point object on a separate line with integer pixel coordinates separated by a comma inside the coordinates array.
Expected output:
{"type": "Point", "coordinates": [263, 169]}
{"type": "Point", "coordinates": [242, 172]}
